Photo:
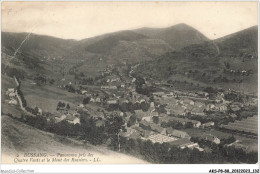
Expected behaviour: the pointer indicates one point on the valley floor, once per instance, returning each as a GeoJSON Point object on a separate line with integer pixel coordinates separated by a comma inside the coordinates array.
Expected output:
{"type": "Point", "coordinates": [19, 138]}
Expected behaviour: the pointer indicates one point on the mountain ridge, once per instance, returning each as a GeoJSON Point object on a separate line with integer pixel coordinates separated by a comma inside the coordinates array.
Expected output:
{"type": "Point", "coordinates": [93, 54]}
{"type": "Point", "coordinates": [178, 36]}
{"type": "Point", "coordinates": [225, 62]}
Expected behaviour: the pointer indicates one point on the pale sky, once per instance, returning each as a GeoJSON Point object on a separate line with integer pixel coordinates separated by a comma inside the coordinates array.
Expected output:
{"type": "Point", "coordinates": [79, 20]}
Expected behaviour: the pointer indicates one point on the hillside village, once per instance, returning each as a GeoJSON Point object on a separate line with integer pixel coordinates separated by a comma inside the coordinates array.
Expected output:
{"type": "Point", "coordinates": [117, 106]}
{"type": "Point", "coordinates": [161, 117]}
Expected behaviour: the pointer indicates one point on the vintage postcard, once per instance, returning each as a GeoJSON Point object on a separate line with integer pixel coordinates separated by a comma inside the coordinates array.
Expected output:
{"type": "Point", "coordinates": [129, 83]}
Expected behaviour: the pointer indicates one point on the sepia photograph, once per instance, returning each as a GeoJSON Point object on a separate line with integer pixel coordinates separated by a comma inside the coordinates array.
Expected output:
{"type": "Point", "coordinates": [129, 83]}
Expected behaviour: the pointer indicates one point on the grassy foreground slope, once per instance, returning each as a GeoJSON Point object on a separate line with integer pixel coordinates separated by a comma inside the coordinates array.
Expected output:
{"type": "Point", "coordinates": [19, 138]}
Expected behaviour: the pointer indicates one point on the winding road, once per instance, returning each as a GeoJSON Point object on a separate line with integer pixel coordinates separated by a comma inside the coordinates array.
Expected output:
{"type": "Point", "coordinates": [20, 100]}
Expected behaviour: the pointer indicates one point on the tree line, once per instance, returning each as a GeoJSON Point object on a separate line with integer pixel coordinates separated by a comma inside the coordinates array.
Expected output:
{"type": "Point", "coordinates": [152, 152]}
{"type": "Point", "coordinates": [166, 153]}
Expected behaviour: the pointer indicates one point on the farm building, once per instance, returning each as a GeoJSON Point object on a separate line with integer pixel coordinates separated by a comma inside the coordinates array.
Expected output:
{"type": "Point", "coordinates": [187, 101]}
{"type": "Point", "coordinates": [198, 111]}
{"type": "Point", "coordinates": [129, 131]}
{"type": "Point", "coordinates": [211, 138]}
{"type": "Point", "coordinates": [122, 100]}
{"type": "Point", "coordinates": [84, 92]}
{"type": "Point", "coordinates": [72, 119]}
{"type": "Point", "coordinates": [147, 118]}
{"type": "Point", "coordinates": [60, 118]}
{"type": "Point", "coordinates": [12, 94]}
{"type": "Point", "coordinates": [184, 121]}
{"type": "Point", "coordinates": [9, 90]}
{"type": "Point", "coordinates": [158, 129]}
{"type": "Point", "coordinates": [209, 124]}
{"type": "Point", "coordinates": [178, 134]}
{"type": "Point", "coordinates": [13, 102]}
{"type": "Point", "coordinates": [175, 110]}
{"type": "Point", "coordinates": [186, 143]}
{"type": "Point", "coordinates": [80, 106]}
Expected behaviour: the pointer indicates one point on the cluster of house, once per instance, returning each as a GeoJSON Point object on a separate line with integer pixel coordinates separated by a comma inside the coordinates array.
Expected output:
{"type": "Point", "coordinates": [150, 131]}
{"type": "Point", "coordinates": [116, 84]}
{"type": "Point", "coordinates": [113, 82]}
{"type": "Point", "coordinates": [236, 106]}
{"type": "Point", "coordinates": [116, 100]}
{"type": "Point", "coordinates": [107, 70]}
{"type": "Point", "coordinates": [243, 72]}
{"type": "Point", "coordinates": [146, 129]}
{"type": "Point", "coordinates": [211, 138]}
{"type": "Point", "coordinates": [70, 115]}
{"type": "Point", "coordinates": [97, 98]}
{"type": "Point", "coordinates": [176, 93]}
{"type": "Point", "coordinates": [184, 106]}
{"type": "Point", "coordinates": [113, 79]}
{"type": "Point", "coordinates": [109, 87]}
{"type": "Point", "coordinates": [120, 97]}
{"type": "Point", "coordinates": [11, 94]}
{"type": "Point", "coordinates": [177, 105]}
{"type": "Point", "coordinates": [38, 111]}
{"type": "Point", "coordinates": [252, 102]}
{"type": "Point", "coordinates": [183, 121]}
{"type": "Point", "coordinates": [69, 118]}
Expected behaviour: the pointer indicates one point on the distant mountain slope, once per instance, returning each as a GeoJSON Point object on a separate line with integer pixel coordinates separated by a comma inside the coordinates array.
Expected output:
{"type": "Point", "coordinates": [125, 47]}
{"type": "Point", "coordinates": [230, 61]}
{"type": "Point", "coordinates": [35, 54]}
{"type": "Point", "coordinates": [39, 45]}
{"type": "Point", "coordinates": [178, 36]}
{"type": "Point", "coordinates": [242, 42]}
{"type": "Point", "coordinates": [137, 51]}
{"type": "Point", "coordinates": [172, 50]}
{"type": "Point", "coordinates": [19, 138]}
{"type": "Point", "coordinates": [104, 45]}
{"type": "Point", "coordinates": [50, 54]}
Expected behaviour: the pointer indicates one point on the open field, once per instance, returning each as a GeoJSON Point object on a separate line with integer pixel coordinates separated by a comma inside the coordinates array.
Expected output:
{"type": "Point", "coordinates": [47, 97]}
{"type": "Point", "coordinates": [11, 109]}
{"type": "Point", "coordinates": [19, 138]}
{"type": "Point", "coordinates": [248, 125]}
{"type": "Point", "coordinates": [7, 82]}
